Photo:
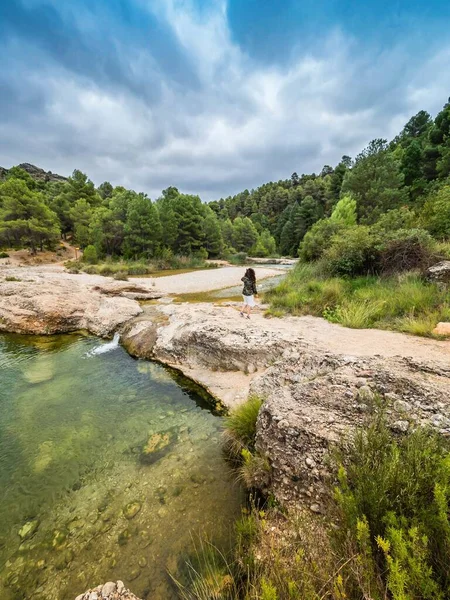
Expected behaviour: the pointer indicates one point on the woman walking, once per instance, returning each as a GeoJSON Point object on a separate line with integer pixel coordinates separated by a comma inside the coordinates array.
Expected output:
{"type": "Point", "coordinates": [248, 292]}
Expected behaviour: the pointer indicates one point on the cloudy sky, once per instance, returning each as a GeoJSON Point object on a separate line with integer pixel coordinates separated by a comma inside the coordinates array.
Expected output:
{"type": "Point", "coordinates": [212, 96]}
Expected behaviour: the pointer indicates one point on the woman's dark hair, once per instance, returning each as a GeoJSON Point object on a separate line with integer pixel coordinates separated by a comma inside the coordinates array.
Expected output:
{"type": "Point", "coordinates": [250, 273]}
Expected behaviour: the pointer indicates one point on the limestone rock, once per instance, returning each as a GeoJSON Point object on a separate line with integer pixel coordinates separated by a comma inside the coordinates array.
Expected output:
{"type": "Point", "coordinates": [439, 273]}
{"type": "Point", "coordinates": [442, 328]}
{"type": "Point", "coordinates": [58, 302]}
{"type": "Point", "coordinates": [108, 591]}
{"type": "Point", "coordinates": [309, 397]}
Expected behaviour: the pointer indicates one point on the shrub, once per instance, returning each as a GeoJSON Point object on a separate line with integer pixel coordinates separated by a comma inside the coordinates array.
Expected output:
{"type": "Point", "coordinates": [90, 255]}
{"type": "Point", "coordinates": [240, 427]}
{"type": "Point", "coordinates": [436, 213]}
{"type": "Point", "coordinates": [4, 255]}
{"type": "Point", "coordinates": [238, 259]}
{"type": "Point", "coordinates": [121, 276]}
{"type": "Point", "coordinates": [400, 489]}
{"type": "Point", "coordinates": [317, 239]}
{"type": "Point", "coordinates": [405, 250]}
{"type": "Point", "coordinates": [352, 252]}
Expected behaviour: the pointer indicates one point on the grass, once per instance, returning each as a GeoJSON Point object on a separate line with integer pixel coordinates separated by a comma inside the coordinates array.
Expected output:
{"type": "Point", "coordinates": [403, 302]}
{"type": "Point", "coordinates": [240, 428]}
{"type": "Point", "coordinates": [385, 534]}
{"type": "Point", "coordinates": [10, 278]}
{"type": "Point", "coordinates": [125, 268]}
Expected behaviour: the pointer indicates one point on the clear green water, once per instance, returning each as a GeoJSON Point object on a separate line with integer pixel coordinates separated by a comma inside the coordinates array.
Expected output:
{"type": "Point", "coordinates": [72, 431]}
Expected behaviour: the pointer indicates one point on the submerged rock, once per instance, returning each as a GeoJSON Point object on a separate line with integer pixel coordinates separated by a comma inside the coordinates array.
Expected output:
{"type": "Point", "coordinates": [29, 529]}
{"type": "Point", "coordinates": [158, 444]}
{"type": "Point", "coordinates": [131, 510]}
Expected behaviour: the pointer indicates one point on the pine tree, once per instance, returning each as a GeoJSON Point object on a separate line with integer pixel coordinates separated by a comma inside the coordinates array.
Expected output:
{"type": "Point", "coordinates": [344, 212]}
{"type": "Point", "coordinates": [142, 228]}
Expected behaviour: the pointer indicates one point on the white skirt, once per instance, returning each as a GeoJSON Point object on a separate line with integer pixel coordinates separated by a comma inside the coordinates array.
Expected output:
{"type": "Point", "coordinates": [249, 300]}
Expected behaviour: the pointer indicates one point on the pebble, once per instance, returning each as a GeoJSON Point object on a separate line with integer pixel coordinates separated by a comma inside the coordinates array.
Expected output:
{"type": "Point", "coordinates": [365, 393]}
{"type": "Point", "coordinates": [108, 589]}
{"type": "Point", "coordinates": [401, 426]}
{"type": "Point", "coordinates": [401, 405]}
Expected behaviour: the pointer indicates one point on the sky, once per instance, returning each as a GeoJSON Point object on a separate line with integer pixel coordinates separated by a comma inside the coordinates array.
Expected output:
{"type": "Point", "coordinates": [212, 96]}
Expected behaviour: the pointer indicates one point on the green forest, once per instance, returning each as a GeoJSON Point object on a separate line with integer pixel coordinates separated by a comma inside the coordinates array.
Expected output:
{"type": "Point", "coordinates": [386, 209]}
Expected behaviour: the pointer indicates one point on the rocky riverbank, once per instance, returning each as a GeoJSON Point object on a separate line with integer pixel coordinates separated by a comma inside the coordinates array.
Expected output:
{"type": "Point", "coordinates": [318, 380]}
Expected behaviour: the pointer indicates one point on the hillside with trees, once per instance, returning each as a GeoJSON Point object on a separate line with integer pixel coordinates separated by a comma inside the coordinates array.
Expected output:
{"type": "Point", "coordinates": [391, 195]}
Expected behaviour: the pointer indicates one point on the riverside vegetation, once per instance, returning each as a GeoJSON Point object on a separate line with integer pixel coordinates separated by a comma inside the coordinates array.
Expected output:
{"type": "Point", "coordinates": [385, 534]}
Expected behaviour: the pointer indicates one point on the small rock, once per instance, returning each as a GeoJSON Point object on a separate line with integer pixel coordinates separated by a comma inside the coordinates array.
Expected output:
{"type": "Point", "coordinates": [131, 510]}
{"type": "Point", "coordinates": [365, 394]}
{"type": "Point", "coordinates": [134, 574]}
{"type": "Point", "coordinates": [29, 529]}
{"type": "Point", "coordinates": [401, 405]}
{"type": "Point", "coordinates": [120, 586]}
{"type": "Point", "coordinates": [315, 508]}
{"type": "Point", "coordinates": [108, 589]}
{"type": "Point", "coordinates": [93, 596]}
{"type": "Point", "coordinates": [142, 562]}
{"type": "Point", "coordinates": [311, 463]}
{"type": "Point", "coordinates": [400, 426]}
{"type": "Point", "coordinates": [391, 396]}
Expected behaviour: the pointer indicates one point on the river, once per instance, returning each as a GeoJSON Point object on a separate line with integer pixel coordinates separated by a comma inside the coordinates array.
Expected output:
{"type": "Point", "coordinates": [109, 469]}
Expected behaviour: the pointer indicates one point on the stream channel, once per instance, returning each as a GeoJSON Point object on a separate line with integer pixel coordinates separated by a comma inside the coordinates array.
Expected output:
{"type": "Point", "coordinates": [109, 469]}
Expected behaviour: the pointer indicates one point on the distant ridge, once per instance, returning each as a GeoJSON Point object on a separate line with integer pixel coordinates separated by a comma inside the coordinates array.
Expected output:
{"type": "Point", "coordinates": [36, 173]}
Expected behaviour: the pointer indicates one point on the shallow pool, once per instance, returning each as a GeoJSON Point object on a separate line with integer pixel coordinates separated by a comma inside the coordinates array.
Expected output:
{"type": "Point", "coordinates": [109, 467]}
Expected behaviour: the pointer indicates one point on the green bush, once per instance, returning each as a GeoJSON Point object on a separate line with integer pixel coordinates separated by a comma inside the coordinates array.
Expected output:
{"type": "Point", "coordinates": [398, 490]}
{"type": "Point", "coordinates": [317, 239]}
{"type": "Point", "coordinates": [436, 213]}
{"type": "Point", "coordinates": [4, 255]}
{"type": "Point", "coordinates": [238, 259]}
{"type": "Point", "coordinates": [398, 218]}
{"type": "Point", "coordinates": [352, 252]}
{"type": "Point", "coordinates": [90, 255]}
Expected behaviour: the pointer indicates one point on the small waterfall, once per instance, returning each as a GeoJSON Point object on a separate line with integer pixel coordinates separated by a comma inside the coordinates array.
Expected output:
{"type": "Point", "coordinates": [105, 347]}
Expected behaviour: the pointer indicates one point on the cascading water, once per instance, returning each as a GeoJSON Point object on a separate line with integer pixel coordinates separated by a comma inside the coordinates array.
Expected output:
{"type": "Point", "coordinates": [103, 348]}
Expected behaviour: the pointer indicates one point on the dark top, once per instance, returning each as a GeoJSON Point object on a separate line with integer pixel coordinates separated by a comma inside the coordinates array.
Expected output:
{"type": "Point", "coordinates": [249, 287]}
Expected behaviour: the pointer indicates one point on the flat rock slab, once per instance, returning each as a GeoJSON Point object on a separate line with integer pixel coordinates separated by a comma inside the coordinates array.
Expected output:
{"type": "Point", "coordinates": [46, 303]}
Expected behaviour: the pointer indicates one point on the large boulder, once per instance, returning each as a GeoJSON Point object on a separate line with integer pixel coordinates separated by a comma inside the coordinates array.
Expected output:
{"type": "Point", "coordinates": [439, 273]}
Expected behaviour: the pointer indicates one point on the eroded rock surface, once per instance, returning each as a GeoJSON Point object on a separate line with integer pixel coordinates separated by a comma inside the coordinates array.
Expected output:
{"type": "Point", "coordinates": [108, 591]}
{"type": "Point", "coordinates": [313, 399]}
{"type": "Point", "coordinates": [42, 303]}
{"type": "Point", "coordinates": [439, 272]}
